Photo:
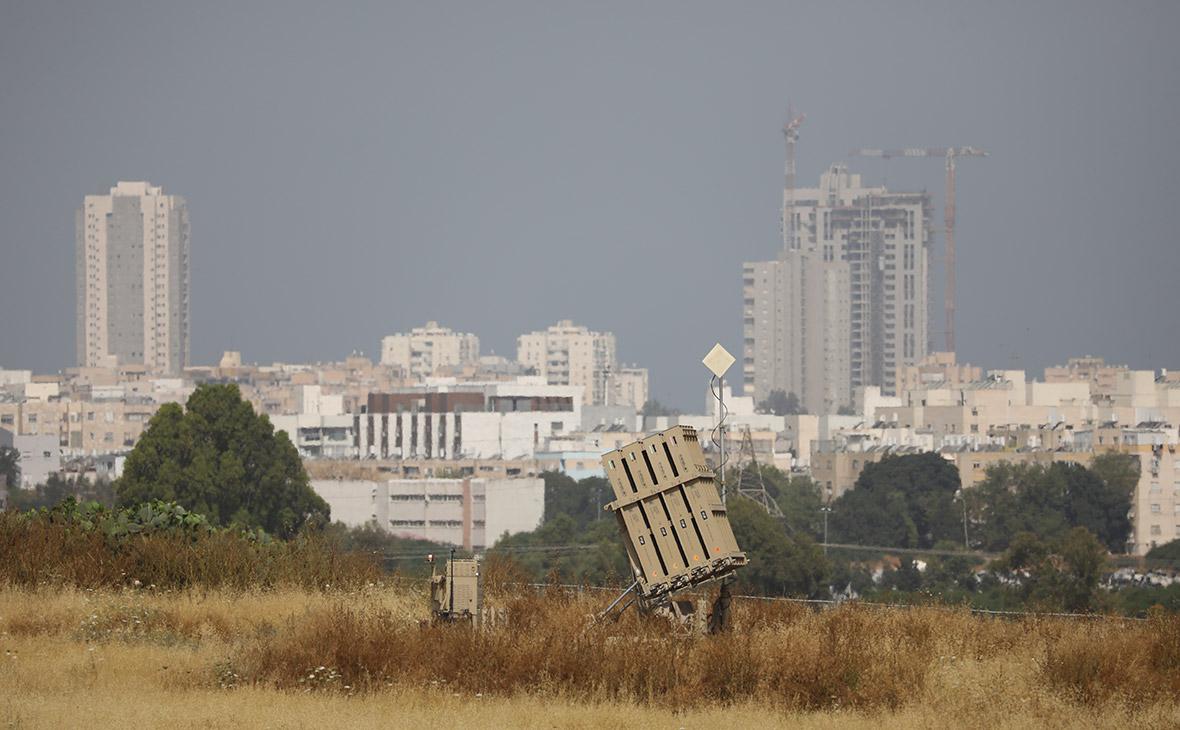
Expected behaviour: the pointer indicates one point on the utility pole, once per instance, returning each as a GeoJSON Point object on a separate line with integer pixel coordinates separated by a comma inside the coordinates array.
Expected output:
{"type": "Point", "coordinates": [721, 430]}
{"type": "Point", "coordinates": [718, 361]}
{"type": "Point", "coordinates": [826, 509]}
{"type": "Point", "coordinates": [962, 496]}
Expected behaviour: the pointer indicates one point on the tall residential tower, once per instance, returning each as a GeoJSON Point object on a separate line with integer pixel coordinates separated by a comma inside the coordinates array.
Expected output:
{"type": "Point", "coordinates": [132, 279]}
{"type": "Point", "coordinates": [846, 303]}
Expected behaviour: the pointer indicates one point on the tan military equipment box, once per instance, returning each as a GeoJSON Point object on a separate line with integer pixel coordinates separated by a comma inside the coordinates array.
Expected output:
{"type": "Point", "coordinates": [675, 526]}
{"type": "Point", "coordinates": [455, 593]}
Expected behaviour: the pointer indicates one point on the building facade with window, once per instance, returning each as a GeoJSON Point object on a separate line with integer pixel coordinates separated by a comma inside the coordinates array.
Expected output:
{"type": "Point", "coordinates": [845, 305]}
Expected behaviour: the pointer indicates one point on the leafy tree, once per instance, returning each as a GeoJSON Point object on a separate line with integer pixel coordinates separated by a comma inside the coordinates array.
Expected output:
{"type": "Point", "coordinates": [799, 498]}
{"type": "Point", "coordinates": [10, 465]}
{"type": "Point", "coordinates": [595, 555]}
{"type": "Point", "coordinates": [1168, 551]}
{"type": "Point", "coordinates": [1049, 500]}
{"type": "Point", "coordinates": [1100, 506]}
{"type": "Point", "coordinates": [906, 578]}
{"type": "Point", "coordinates": [582, 501]}
{"type": "Point", "coordinates": [1055, 574]}
{"type": "Point", "coordinates": [58, 488]}
{"type": "Point", "coordinates": [655, 408]}
{"type": "Point", "coordinates": [404, 555]}
{"type": "Point", "coordinates": [780, 564]}
{"type": "Point", "coordinates": [947, 573]}
{"type": "Point", "coordinates": [1119, 471]}
{"type": "Point", "coordinates": [901, 501]}
{"type": "Point", "coordinates": [780, 403]}
{"type": "Point", "coordinates": [220, 459]}
{"type": "Point", "coordinates": [1084, 558]}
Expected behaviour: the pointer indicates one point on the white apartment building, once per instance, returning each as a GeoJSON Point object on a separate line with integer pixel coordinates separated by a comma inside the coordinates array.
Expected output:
{"type": "Point", "coordinates": [470, 513]}
{"type": "Point", "coordinates": [132, 279]}
{"type": "Point", "coordinates": [796, 322]}
{"type": "Point", "coordinates": [494, 420]}
{"type": "Point", "coordinates": [568, 354]}
{"type": "Point", "coordinates": [854, 269]}
{"type": "Point", "coordinates": [320, 429]}
{"type": "Point", "coordinates": [40, 456]}
{"type": "Point", "coordinates": [627, 387]}
{"type": "Point", "coordinates": [427, 351]}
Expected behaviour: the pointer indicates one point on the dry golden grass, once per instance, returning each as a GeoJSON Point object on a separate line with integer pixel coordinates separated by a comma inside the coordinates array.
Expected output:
{"type": "Point", "coordinates": [51, 550]}
{"type": "Point", "coordinates": [292, 658]}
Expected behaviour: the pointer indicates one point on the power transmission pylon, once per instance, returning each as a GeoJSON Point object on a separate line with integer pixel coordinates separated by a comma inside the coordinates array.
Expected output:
{"type": "Point", "coordinates": [748, 485]}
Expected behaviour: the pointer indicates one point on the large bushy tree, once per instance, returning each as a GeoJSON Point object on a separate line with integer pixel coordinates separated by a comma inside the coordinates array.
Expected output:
{"type": "Point", "coordinates": [582, 500]}
{"type": "Point", "coordinates": [1048, 501]}
{"type": "Point", "coordinates": [10, 465]}
{"type": "Point", "coordinates": [902, 501]}
{"type": "Point", "coordinates": [780, 564]}
{"type": "Point", "coordinates": [780, 403]}
{"type": "Point", "coordinates": [220, 459]}
{"type": "Point", "coordinates": [1059, 573]}
{"type": "Point", "coordinates": [797, 495]}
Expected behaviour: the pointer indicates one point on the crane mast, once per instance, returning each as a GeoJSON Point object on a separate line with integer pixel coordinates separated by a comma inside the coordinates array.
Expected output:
{"type": "Point", "coordinates": [791, 133]}
{"type": "Point", "coordinates": [950, 153]}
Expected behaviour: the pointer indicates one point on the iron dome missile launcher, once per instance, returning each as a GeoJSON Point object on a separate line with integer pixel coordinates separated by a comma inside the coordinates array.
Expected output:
{"type": "Point", "coordinates": [675, 527]}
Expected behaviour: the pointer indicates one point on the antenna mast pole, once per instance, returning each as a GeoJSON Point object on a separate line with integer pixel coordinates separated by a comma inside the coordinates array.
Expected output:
{"type": "Point", "coordinates": [791, 133]}
{"type": "Point", "coordinates": [949, 212]}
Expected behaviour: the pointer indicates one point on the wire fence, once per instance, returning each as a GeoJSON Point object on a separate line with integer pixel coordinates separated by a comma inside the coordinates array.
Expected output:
{"type": "Point", "coordinates": [826, 604]}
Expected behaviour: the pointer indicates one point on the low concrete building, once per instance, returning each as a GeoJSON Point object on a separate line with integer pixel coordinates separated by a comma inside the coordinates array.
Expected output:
{"type": "Point", "coordinates": [471, 513]}
{"type": "Point", "coordinates": [40, 456]}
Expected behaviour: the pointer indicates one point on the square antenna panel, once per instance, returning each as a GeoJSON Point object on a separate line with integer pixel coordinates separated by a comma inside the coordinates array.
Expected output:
{"type": "Point", "coordinates": [674, 524]}
{"type": "Point", "coordinates": [718, 360]}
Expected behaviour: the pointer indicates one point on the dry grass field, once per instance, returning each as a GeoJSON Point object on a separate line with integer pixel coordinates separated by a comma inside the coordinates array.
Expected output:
{"type": "Point", "coordinates": [298, 658]}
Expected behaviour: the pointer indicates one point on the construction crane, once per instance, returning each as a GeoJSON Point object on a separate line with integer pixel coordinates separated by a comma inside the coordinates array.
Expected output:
{"type": "Point", "coordinates": [951, 154]}
{"type": "Point", "coordinates": [791, 132]}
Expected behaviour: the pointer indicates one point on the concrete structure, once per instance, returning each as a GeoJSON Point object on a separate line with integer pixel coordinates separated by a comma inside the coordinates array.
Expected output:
{"type": "Point", "coordinates": [132, 279]}
{"type": "Point", "coordinates": [627, 386]}
{"type": "Point", "coordinates": [855, 262]}
{"type": "Point", "coordinates": [471, 513]}
{"type": "Point", "coordinates": [797, 329]}
{"type": "Point", "coordinates": [568, 354]}
{"type": "Point", "coordinates": [320, 428]}
{"type": "Point", "coordinates": [40, 456]}
{"type": "Point", "coordinates": [451, 420]}
{"type": "Point", "coordinates": [431, 350]}
{"type": "Point", "coordinates": [937, 368]}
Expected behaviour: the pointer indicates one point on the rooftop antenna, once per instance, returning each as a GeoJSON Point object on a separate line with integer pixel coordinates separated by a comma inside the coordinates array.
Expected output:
{"type": "Point", "coordinates": [718, 361]}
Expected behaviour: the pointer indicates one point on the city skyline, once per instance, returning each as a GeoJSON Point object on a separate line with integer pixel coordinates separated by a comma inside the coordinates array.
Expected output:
{"type": "Point", "coordinates": [500, 185]}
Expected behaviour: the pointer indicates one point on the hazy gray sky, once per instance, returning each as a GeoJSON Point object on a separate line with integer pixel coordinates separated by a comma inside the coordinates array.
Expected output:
{"type": "Point", "coordinates": [353, 170]}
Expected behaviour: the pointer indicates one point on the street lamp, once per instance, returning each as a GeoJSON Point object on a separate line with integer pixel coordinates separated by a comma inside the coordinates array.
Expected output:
{"type": "Point", "coordinates": [961, 496]}
{"type": "Point", "coordinates": [826, 508]}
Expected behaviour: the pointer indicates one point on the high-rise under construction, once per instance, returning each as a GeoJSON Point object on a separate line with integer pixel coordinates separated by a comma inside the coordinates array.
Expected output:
{"type": "Point", "coordinates": [845, 304]}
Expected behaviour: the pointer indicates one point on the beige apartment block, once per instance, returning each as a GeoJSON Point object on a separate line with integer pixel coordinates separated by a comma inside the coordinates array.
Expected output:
{"type": "Point", "coordinates": [132, 279]}
{"type": "Point", "coordinates": [796, 323]}
{"type": "Point", "coordinates": [569, 354]}
{"type": "Point", "coordinates": [1093, 370]}
{"type": "Point", "coordinates": [628, 387]}
{"type": "Point", "coordinates": [431, 350]}
{"type": "Point", "coordinates": [937, 368]}
{"type": "Point", "coordinates": [83, 428]}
